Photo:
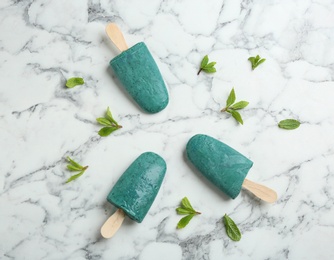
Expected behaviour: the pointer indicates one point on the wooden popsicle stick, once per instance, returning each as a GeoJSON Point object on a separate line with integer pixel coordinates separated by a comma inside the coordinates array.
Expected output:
{"type": "Point", "coordinates": [112, 224]}
{"type": "Point", "coordinates": [116, 36]}
{"type": "Point", "coordinates": [260, 191]}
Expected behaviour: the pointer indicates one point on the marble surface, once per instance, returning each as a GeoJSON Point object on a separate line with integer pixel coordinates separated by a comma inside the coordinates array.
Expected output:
{"type": "Point", "coordinates": [42, 43]}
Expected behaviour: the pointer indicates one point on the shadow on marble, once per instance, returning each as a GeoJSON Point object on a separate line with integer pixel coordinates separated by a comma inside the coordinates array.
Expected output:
{"type": "Point", "coordinates": [250, 198]}
{"type": "Point", "coordinates": [62, 82]}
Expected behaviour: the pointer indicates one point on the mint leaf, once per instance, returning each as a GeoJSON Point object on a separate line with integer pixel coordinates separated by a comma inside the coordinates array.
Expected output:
{"type": "Point", "coordinates": [211, 64]}
{"type": "Point", "coordinates": [289, 124]}
{"type": "Point", "coordinates": [240, 105]}
{"type": "Point", "coordinates": [74, 163]}
{"type": "Point", "coordinates": [231, 98]}
{"type": "Point", "coordinates": [231, 108]}
{"type": "Point", "coordinates": [103, 121]}
{"type": "Point", "coordinates": [236, 116]}
{"type": "Point", "coordinates": [186, 204]}
{"type": "Point", "coordinates": [185, 221]}
{"type": "Point", "coordinates": [231, 228]}
{"type": "Point", "coordinates": [74, 166]}
{"type": "Point", "coordinates": [109, 122]}
{"type": "Point", "coordinates": [105, 131]}
{"type": "Point", "coordinates": [205, 61]}
{"type": "Point", "coordinates": [109, 116]}
{"type": "Point", "coordinates": [207, 67]}
{"type": "Point", "coordinates": [185, 209]}
{"type": "Point", "coordinates": [256, 61]}
{"type": "Point", "coordinates": [260, 62]}
{"type": "Point", "coordinates": [182, 211]}
{"type": "Point", "coordinates": [72, 82]}
{"type": "Point", "coordinates": [75, 176]}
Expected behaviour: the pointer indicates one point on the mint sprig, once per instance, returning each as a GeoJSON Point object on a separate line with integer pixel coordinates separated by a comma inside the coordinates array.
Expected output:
{"type": "Point", "coordinates": [109, 123]}
{"type": "Point", "coordinates": [231, 107]}
{"type": "Point", "coordinates": [206, 66]}
{"type": "Point", "coordinates": [289, 124]}
{"type": "Point", "coordinates": [72, 82]}
{"type": "Point", "coordinates": [185, 209]}
{"type": "Point", "coordinates": [231, 228]}
{"type": "Point", "coordinates": [75, 167]}
{"type": "Point", "coordinates": [256, 61]}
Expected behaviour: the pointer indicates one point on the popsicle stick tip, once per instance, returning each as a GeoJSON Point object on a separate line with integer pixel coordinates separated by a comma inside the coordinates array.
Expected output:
{"type": "Point", "coordinates": [262, 192]}
{"type": "Point", "coordinates": [116, 36]}
{"type": "Point", "coordinates": [112, 224]}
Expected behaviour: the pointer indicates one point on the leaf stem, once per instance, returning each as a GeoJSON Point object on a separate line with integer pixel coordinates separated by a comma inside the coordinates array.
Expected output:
{"type": "Point", "coordinates": [224, 109]}
{"type": "Point", "coordinates": [199, 71]}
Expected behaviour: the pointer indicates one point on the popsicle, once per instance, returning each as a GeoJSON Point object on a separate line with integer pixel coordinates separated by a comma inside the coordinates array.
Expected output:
{"type": "Point", "coordinates": [137, 71]}
{"type": "Point", "coordinates": [225, 167]}
{"type": "Point", "coordinates": [135, 191]}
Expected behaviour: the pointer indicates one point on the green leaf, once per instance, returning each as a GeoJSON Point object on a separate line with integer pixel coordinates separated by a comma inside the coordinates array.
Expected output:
{"type": "Point", "coordinates": [183, 211]}
{"type": "Point", "coordinates": [211, 64]}
{"type": "Point", "coordinates": [231, 98]}
{"type": "Point", "coordinates": [75, 164]}
{"type": "Point", "coordinates": [231, 228]}
{"type": "Point", "coordinates": [75, 176]}
{"type": "Point", "coordinates": [256, 61]}
{"type": "Point", "coordinates": [231, 108]}
{"type": "Point", "coordinates": [207, 67]}
{"type": "Point", "coordinates": [105, 131]}
{"type": "Point", "coordinates": [251, 59]}
{"type": "Point", "coordinates": [73, 168]}
{"type": "Point", "coordinates": [109, 122]}
{"type": "Point", "coordinates": [184, 221]}
{"type": "Point", "coordinates": [209, 70]}
{"type": "Point", "coordinates": [103, 121]}
{"type": "Point", "coordinates": [236, 115]}
{"type": "Point", "coordinates": [260, 61]}
{"type": "Point", "coordinates": [186, 204]}
{"type": "Point", "coordinates": [289, 124]}
{"type": "Point", "coordinates": [72, 82]}
{"type": "Point", "coordinates": [205, 61]}
{"type": "Point", "coordinates": [240, 105]}
{"type": "Point", "coordinates": [109, 116]}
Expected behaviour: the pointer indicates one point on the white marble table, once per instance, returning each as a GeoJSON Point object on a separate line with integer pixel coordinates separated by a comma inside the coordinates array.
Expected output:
{"type": "Point", "coordinates": [42, 43]}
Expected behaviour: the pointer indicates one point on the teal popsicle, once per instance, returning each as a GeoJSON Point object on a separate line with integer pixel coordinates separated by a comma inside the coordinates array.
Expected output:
{"type": "Point", "coordinates": [225, 167]}
{"type": "Point", "coordinates": [135, 191]}
{"type": "Point", "coordinates": [139, 74]}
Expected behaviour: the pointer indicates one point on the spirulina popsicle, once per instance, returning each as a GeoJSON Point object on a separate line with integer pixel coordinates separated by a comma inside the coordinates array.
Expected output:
{"type": "Point", "coordinates": [139, 74]}
{"type": "Point", "coordinates": [135, 191]}
{"type": "Point", "coordinates": [225, 167]}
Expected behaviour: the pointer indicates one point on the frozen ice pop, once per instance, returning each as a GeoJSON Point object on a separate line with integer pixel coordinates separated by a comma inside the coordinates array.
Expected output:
{"type": "Point", "coordinates": [135, 191]}
{"type": "Point", "coordinates": [224, 167]}
{"type": "Point", "coordinates": [139, 74]}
